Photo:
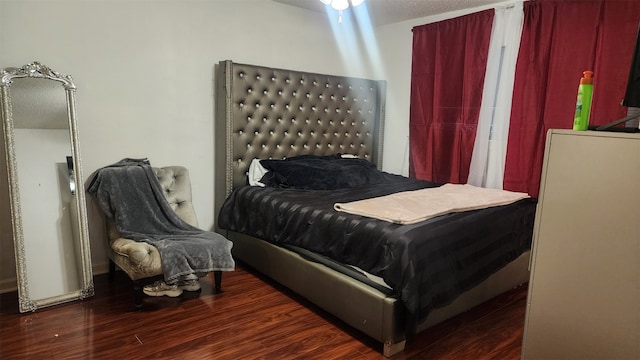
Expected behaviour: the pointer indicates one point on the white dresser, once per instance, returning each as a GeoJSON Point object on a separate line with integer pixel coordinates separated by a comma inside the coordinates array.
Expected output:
{"type": "Point", "coordinates": [584, 290]}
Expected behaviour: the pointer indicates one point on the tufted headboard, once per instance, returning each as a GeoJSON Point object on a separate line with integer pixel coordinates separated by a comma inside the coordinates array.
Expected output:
{"type": "Point", "coordinates": [269, 113]}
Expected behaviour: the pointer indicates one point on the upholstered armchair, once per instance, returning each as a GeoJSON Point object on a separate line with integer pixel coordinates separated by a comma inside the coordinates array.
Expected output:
{"type": "Point", "coordinates": [139, 260]}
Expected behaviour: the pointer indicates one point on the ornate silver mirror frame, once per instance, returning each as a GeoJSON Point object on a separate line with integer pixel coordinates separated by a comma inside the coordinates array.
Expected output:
{"type": "Point", "coordinates": [52, 267]}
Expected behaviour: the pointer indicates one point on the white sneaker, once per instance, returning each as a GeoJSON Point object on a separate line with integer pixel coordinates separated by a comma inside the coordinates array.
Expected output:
{"type": "Point", "coordinates": [189, 285]}
{"type": "Point", "coordinates": [160, 288]}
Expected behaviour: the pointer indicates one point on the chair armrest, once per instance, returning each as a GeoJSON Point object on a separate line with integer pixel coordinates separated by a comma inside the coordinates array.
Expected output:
{"type": "Point", "coordinates": [138, 259]}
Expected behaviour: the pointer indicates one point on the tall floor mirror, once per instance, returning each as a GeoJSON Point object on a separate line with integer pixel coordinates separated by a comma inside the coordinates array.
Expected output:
{"type": "Point", "coordinates": [47, 201]}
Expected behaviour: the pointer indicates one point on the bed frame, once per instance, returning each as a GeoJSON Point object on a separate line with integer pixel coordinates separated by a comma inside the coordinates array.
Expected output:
{"type": "Point", "coordinates": [263, 113]}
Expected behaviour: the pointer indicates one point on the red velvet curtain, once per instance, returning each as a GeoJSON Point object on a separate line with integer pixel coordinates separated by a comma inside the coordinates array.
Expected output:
{"type": "Point", "coordinates": [560, 40]}
{"type": "Point", "coordinates": [447, 76]}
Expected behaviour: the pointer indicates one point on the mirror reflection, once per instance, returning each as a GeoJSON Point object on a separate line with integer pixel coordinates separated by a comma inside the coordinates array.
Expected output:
{"type": "Point", "coordinates": [49, 217]}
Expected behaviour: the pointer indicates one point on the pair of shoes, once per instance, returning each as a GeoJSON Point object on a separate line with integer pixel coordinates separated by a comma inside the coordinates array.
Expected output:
{"type": "Point", "coordinates": [189, 285]}
{"type": "Point", "coordinates": [160, 288]}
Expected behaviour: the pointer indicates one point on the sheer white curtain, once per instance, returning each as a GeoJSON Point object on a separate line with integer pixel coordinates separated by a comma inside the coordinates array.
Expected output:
{"type": "Point", "coordinates": [490, 148]}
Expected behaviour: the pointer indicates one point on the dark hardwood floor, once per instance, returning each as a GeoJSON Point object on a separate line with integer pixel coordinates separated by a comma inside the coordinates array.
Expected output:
{"type": "Point", "coordinates": [253, 318]}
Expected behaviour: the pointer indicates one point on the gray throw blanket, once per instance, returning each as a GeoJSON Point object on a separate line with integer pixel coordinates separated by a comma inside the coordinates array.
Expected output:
{"type": "Point", "coordinates": [129, 192]}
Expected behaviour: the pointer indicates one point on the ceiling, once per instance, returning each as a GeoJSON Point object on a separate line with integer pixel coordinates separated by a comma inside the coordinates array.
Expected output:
{"type": "Point", "coordinates": [383, 12]}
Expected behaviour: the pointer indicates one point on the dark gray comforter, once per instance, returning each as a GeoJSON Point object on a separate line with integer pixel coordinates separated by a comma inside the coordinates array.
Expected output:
{"type": "Point", "coordinates": [129, 192]}
{"type": "Point", "coordinates": [428, 264]}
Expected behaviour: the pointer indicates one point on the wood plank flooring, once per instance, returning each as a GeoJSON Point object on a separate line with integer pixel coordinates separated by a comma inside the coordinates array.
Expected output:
{"type": "Point", "coordinates": [253, 318]}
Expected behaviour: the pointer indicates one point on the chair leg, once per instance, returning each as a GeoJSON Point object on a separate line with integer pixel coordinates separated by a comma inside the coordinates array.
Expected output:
{"type": "Point", "coordinates": [112, 270]}
{"type": "Point", "coordinates": [137, 294]}
{"type": "Point", "coordinates": [217, 281]}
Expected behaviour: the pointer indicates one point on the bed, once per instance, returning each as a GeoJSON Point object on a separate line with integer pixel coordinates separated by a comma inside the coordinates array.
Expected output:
{"type": "Point", "coordinates": [267, 113]}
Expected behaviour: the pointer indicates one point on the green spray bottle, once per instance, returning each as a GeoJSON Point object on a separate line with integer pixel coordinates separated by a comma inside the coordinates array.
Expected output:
{"type": "Point", "coordinates": [583, 103]}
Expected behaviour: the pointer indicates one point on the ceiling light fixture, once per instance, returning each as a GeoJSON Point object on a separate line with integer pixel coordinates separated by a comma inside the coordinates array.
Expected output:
{"type": "Point", "coordinates": [342, 5]}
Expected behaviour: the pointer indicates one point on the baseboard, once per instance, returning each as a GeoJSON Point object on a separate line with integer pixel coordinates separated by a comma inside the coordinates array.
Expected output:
{"type": "Point", "coordinates": [99, 269]}
{"type": "Point", "coordinates": [9, 285]}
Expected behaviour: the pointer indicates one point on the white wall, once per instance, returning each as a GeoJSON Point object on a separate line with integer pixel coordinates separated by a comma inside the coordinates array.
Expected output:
{"type": "Point", "coordinates": [145, 74]}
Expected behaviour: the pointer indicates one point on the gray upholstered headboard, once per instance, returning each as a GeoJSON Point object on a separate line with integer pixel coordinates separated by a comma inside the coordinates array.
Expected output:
{"type": "Point", "coordinates": [269, 113]}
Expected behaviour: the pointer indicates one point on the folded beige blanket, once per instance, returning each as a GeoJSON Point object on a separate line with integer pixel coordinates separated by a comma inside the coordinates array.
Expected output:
{"type": "Point", "coordinates": [410, 207]}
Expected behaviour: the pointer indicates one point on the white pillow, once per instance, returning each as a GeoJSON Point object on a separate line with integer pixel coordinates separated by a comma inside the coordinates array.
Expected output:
{"type": "Point", "coordinates": [256, 172]}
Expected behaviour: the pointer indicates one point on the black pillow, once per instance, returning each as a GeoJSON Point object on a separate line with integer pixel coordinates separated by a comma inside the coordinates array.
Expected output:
{"type": "Point", "coordinates": [315, 172]}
